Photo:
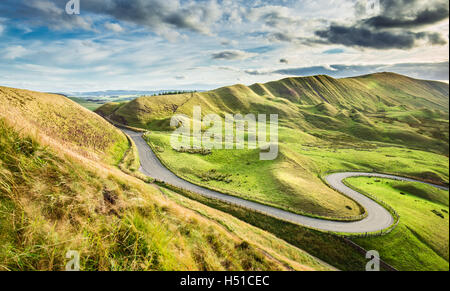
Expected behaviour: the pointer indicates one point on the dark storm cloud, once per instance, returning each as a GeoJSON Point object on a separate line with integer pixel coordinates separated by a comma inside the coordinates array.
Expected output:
{"type": "Point", "coordinates": [364, 37]}
{"type": "Point", "coordinates": [425, 17]}
{"type": "Point", "coordinates": [414, 12]}
{"type": "Point", "coordinates": [391, 29]}
{"type": "Point", "coordinates": [436, 39]}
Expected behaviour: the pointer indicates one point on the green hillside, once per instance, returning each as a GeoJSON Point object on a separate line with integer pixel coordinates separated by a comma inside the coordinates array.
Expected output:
{"type": "Point", "coordinates": [64, 123]}
{"type": "Point", "coordinates": [382, 107]}
{"type": "Point", "coordinates": [382, 122]}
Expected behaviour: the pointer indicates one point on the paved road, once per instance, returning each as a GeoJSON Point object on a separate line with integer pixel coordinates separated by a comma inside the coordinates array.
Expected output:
{"type": "Point", "coordinates": [378, 217]}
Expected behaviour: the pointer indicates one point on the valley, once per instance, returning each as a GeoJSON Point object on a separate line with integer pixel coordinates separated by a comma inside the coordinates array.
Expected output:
{"type": "Point", "coordinates": [224, 143]}
{"type": "Point", "coordinates": [81, 181]}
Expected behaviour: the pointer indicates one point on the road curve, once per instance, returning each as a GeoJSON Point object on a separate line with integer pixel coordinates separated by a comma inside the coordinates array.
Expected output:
{"type": "Point", "coordinates": [378, 217]}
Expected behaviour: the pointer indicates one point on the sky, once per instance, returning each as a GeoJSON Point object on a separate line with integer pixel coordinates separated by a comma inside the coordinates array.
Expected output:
{"type": "Point", "coordinates": [205, 44]}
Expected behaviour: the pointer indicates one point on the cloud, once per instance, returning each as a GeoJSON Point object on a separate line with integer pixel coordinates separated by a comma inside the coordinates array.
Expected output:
{"type": "Point", "coordinates": [259, 72]}
{"type": "Point", "coordinates": [281, 36]}
{"type": "Point", "coordinates": [424, 17]}
{"type": "Point", "coordinates": [2, 28]}
{"type": "Point", "coordinates": [364, 37]}
{"type": "Point", "coordinates": [430, 71]}
{"type": "Point", "coordinates": [229, 42]}
{"type": "Point", "coordinates": [284, 61]}
{"type": "Point", "coordinates": [273, 16]}
{"type": "Point", "coordinates": [393, 28]}
{"type": "Point", "coordinates": [45, 6]}
{"type": "Point", "coordinates": [48, 13]}
{"type": "Point", "coordinates": [95, 45]}
{"type": "Point", "coordinates": [160, 15]}
{"type": "Point", "coordinates": [232, 55]}
{"type": "Point", "coordinates": [409, 13]}
{"type": "Point", "coordinates": [114, 27]}
{"type": "Point", "coordinates": [14, 52]}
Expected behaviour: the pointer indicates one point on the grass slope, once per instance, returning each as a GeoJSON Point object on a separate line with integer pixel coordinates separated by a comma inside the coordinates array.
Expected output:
{"type": "Point", "coordinates": [54, 199]}
{"type": "Point", "coordinates": [64, 123]}
{"type": "Point", "coordinates": [420, 242]}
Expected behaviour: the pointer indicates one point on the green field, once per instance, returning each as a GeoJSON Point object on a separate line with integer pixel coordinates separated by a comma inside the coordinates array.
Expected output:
{"type": "Point", "coordinates": [421, 240]}
{"type": "Point", "coordinates": [91, 105]}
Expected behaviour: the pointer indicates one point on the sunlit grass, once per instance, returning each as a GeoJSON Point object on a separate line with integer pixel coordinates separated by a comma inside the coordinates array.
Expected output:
{"type": "Point", "coordinates": [421, 240]}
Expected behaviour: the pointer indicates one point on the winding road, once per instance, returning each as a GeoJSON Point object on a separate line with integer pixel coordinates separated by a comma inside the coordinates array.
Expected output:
{"type": "Point", "coordinates": [378, 217]}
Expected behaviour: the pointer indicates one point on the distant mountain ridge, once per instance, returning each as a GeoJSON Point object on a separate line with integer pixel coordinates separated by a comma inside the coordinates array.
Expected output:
{"type": "Point", "coordinates": [115, 93]}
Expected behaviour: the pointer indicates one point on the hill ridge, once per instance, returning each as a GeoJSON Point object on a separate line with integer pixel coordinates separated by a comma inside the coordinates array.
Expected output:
{"type": "Point", "coordinates": [385, 107]}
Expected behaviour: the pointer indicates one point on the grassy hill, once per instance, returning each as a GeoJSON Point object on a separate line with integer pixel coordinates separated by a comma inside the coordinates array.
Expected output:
{"type": "Point", "coordinates": [382, 107]}
{"type": "Point", "coordinates": [365, 93]}
{"type": "Point", "coordinates": [382, 122]}
{"type": "Point", "coordinates": [59, 191]}
{"type": "Point", "coordinates": [63, 123]}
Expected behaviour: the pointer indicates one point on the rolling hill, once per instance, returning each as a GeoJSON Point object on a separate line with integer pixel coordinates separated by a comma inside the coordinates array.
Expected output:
{"type": "Point", "coordinates": [383, 107]}
{"type": "Point", "coordinates": [60, 190]}
{"type": "Point", "coordinates": [382, 122]}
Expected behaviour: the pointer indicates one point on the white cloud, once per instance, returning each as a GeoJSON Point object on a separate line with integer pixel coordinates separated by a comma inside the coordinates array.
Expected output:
{"type": "Point", "coordinates": [114, 27]}
{"type": "Point", "coordinates": [232, 55]}
{"type": "Point", "coordinates": [45, 6]}
{"type": "Point", "coordinates": [203, 41]}
{"type": "Point", "coordinates": [14, 52]}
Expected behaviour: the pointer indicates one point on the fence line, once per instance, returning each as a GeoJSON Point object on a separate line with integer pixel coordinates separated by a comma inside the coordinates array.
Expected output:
{"type": "Point", "coordinates": [363, 251]}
